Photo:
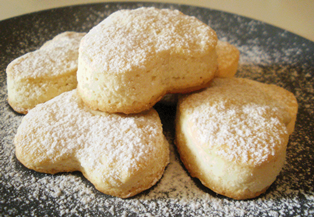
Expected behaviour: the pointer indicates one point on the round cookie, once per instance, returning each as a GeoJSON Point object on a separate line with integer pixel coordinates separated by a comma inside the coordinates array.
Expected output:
{"type": "Point", "coordinates": [233, 135]}
{"type": "Point", "coordinates": [38, 76]}
{"type": "Point", "coordinates": [133, 58]}
{"type": "Point", "coordinates": [121, 155]}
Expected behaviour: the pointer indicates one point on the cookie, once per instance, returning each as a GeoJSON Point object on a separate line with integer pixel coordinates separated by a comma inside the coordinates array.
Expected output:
{"type": "Point", "coordinates": [133, 58]}
{"type": "Point", "coordinates": [227, 59]}
{"type": "Point", "coordinates": [121, 155]}
{"type": "Point", "coordinates": [38, 76]}
{"type": "Point", "coordinates": [233, 135]}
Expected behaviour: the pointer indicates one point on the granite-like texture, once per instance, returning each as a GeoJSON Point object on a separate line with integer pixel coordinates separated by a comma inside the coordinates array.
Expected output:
{"type": "Point", "coordinates": [268, 54]}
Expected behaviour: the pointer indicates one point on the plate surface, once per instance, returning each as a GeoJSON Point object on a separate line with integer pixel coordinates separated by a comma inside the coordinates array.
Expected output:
{"type": "Point", "coordinates": [268, 54]}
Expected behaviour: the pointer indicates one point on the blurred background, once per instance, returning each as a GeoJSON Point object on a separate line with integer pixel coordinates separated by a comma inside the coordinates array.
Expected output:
{"type": "Point", "coordinates": [296, 16]}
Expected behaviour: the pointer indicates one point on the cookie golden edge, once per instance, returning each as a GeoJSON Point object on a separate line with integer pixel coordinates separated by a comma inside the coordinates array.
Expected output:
{"type": "Point", "coordinates": [144, 180]}
{"type": "Point", "coordinates": [24, 93]}
{"type": "Point", "coordinates": [22, 103]}
{"type": "Point", "coordinates": [264, 175]}
{"type": "Point", "coordinates": [132, 184]}
{"type": "Point", "coordinates": [227, 59]}
{"type": "Point", "coordinates": [170, 71]}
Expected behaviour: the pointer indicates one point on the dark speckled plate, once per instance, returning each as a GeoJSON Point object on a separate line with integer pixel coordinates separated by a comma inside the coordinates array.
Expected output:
{"type": "Point", "coordinates": [268, 54]}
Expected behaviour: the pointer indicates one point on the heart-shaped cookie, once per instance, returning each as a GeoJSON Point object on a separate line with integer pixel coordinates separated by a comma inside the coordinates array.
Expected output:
{"type": "Point", "coordinates": [129, 61]}
{"type": "Point", "coordinates": [121, 155]}
{"type": "Point", "coordinates": [227, 59]}
{"type": "Point", "coordinates": [38, 76]}
{"type": "Point", "coordinates": [233, 135]}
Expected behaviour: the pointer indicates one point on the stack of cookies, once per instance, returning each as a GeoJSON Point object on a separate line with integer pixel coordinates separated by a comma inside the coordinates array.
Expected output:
{"type": "Point", "coordinates": [89, 101]}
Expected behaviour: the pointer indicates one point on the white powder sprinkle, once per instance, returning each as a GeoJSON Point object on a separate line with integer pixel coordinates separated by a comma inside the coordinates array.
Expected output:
{"type": "Point", "coordinates": [52, 59]}
{"type": "Point", "coordinates": [109, 46]}
{"type": "Point", "coordinates": [62, 129]}
{"type": "Point", "coordinates": [27, 193]}
{"type": "Point", "coordinates": [242, 122]}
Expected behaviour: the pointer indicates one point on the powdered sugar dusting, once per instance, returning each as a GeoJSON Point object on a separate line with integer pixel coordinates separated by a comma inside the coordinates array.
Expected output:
{"type": "Point", "coordinates": [130, 38]}
{"type": "Point", "coordinates": [226, 53]}
{"type": "Point", "coordinates": [62, 128]}
{"type": "Point", "coordinates": [54, 58]}
{"type": "Point", "coordinates": [238, 120]}
{"type": "Point", "coordinates": [267, 54]}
